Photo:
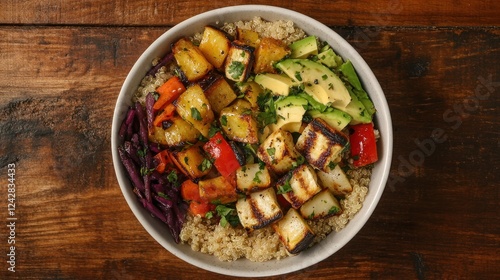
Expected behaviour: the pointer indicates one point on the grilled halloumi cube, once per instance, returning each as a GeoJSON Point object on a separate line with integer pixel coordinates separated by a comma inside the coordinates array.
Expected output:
{"type": "Point", "coordinates": [322, 205]}
{"type": "Point", "coordinates": [239, 61]}
{"type": "Point", "coordinates": [299, 185]}
{"type": "Point", "coordinates": [259, 209]}
{"type": "Point", "coordinates": [335, 180]}
{"type": "Point", "coordinates": [294, 232]}
{"type": "Point", "coordinates": [278, 152]}
{"type": "Point", "coordinates": [321, 144]}
{"type": "Point", "coordinates": [252, 177]}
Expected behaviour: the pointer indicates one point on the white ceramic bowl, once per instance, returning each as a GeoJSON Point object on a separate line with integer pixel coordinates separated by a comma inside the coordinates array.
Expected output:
{"type": "Point", "coordinates": [333, 242]}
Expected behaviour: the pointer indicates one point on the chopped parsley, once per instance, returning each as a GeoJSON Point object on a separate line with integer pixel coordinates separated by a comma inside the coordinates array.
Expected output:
{"type": "Point", "coordinates": [236, 69]}
{"type": "Point", "coordinates": [223, 120]}
{"type": "Point", "coordinates": [256, 178]}
{"type": "Point", "coordinates": [227, 215]}
{"type": "Point", "coordinates": [286, 187]}
{"type": "Point", "coordinates": [205, 165]}
{"type": "Point", "coordinates": [195, 114]}
{"type": "Point", "coordinates": [271, 151]}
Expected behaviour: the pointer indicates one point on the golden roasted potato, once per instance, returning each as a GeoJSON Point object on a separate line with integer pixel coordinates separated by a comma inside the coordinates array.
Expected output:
{"type": "Point", "coordinates": [248, 37]}
{"type": "Point", "coordinates": [220, 94]}
{"type": "Point", "coordinates": [215, 46]}
{"type": "Point", "coordinates": [238, 122]}
{"type": "Point", "coordinates": [178, 134]}
{"type": "Point", "coordinates": [251, 91]}
{"type": "Point", "coordinates": [217, 190]}
{"type": "Point", "coordinates": [192, 161]}
{"type": "Point", "coordinates": [193, 106]}
{"type": "Point", "coordinates": [267, 53]}
{"type": "Point", "coordinates": [294, 232]}
{"type": "Point", "coordinates": [190, 59]}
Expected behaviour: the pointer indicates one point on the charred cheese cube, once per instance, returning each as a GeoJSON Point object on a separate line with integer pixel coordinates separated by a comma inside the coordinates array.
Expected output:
{"type": "Point", "coordinates": [191, 160]}
{"type": "Point", "coordinates": [217, 190]}
{"type": "Point", "coordinates": [252, 177]}
{"type": "Point", "coordinates": [278, 152]}
{"type": "Point", "coordinates": [335, 180]}
{"type": "Point", "coordinates": [321, 144]}
{"type": "Point", "coordinates": [259, 209]}
{"type": "Point", "coordinates": [299, 185]}
{"type": "Point", "coordinates": [294, 232]}
{"type": "Point", "coordinates": [322, 205]}
{"type": "Point", "coordinates": [238, 123]}
{"type": "Point", "coordinates": [190, 59]}
{"type": "Point", "coordinates": [239, 62]}
{"type": "Point", "coordinates": [215, 46]}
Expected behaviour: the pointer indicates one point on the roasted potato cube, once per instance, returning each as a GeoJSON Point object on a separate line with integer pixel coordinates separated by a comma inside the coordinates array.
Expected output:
{"type": "Point", "coordinates": [278, 152]}
{"type": "Point", "coordinates": [268, 53]}
{"type": "Point", "coordinates": [259, 209]}
{"type": "Point", "coordinates": [239, 61]}
{"type": "Point", "coordinates": [248, 37]}
{"type": "Point", "coordinates": [252, 177]}
{"type": "Point", "coordinates": [217, 190]}
{"type": "Point", "coordinates": [321, 144]}
{"type": "Point", "coordinates": [251, 91]}
{"type": "Point", "coordinates": [220, 94]}
{"type": "Point", "coordinates": [194, 107]}
{"type": "Point", "coordinates": [299, 185]}
{"type": "Point", "coordinates": [215, 46]}
{"type": "Point", "coordinates": [335, 180]}
{"type": "Point", "coordinates": [238, 123]}
{"type": "Point", "coordinates": [190, 59]}
{"type": "Point", "coordinates": [294, 232]}
{"type": "Point", "coordinates": [179, 133]}
{"type": "Point", "coordinates": [193, 161]}
{"type": "Point", "coordinates": [322, 205]}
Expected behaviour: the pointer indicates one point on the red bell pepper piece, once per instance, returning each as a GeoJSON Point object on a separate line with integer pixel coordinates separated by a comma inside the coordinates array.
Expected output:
{"type": "Point", "coordinates": [224, 158]}
{"type": "Point", "coordinates": [163, 161]}
{"type": "Point", "coordinates": [363, 144]}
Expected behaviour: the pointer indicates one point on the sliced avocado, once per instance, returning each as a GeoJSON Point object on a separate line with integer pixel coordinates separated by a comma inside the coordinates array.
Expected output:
{"type": "Point", "coordinates": [309, 72]}
{"type": "Point", "coordinates": [304, 47]}
{"type": "Point", "coordinates": [347, 69]}
{"type": "Point", "coordinates": [357, 111]}
{"type": "Point", "coordinates": [333, 117]}
{"type": "Point", "coordinates": [290, 111]}
{"type": "Point", "coordinates": [276, 83]}
{"type": "Point", "coordinates": [328, 58]}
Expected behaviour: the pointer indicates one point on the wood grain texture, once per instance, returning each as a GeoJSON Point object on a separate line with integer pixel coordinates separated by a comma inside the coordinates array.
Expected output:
{"type": "Point", "coordinates": [168, 13]}
{"type": "Point", "coordinates": [58, 85]}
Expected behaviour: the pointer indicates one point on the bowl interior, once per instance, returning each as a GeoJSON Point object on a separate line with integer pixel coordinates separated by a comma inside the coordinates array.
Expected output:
{"type": "Point", "coordinates": [334, 241]}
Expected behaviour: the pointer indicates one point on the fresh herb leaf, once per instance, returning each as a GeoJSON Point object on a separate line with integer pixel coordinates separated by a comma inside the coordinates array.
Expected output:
{"type": "Point", "coordinates": [236, 69]}
{"type": "Point", "coordinates": [223, 120]}
{"type": "Point", "coordinates": [286, 187]}
{"type": "Point", "coordinates": [227, 215]}
{"type": "Point", "coordinates": [271, 151]}
{"type": "Point", "coordinates": [172, 177]}
{"type": "Point", "coordinates": [334, 210]}
{"type": "Point", "coordinates": [256, 178]}
{"type": "Point", "coordinates": [160, 194]}
{"type": "Point", "coordinates": [209, 215]}
{"type": "Point", "coordinates": [205, 165]}
{"type": "Point", "coordinates": [195, 114]}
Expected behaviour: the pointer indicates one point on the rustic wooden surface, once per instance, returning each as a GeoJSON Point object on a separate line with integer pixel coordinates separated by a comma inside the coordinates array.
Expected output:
{"type": "Point", "coordinates": [62, 64]}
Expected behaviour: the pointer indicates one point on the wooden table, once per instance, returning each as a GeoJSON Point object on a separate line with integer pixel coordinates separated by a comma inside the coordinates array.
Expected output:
{"type": "Point", "coordinates": [62, 64]}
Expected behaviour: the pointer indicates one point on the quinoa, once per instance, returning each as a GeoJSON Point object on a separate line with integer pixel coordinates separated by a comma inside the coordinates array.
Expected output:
{"type": "Point", "coordinates": [231, 243]}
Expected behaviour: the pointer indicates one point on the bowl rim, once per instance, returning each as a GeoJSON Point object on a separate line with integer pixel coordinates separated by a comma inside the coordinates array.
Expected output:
{"type": "Point", "coordinates": [242, 267]}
